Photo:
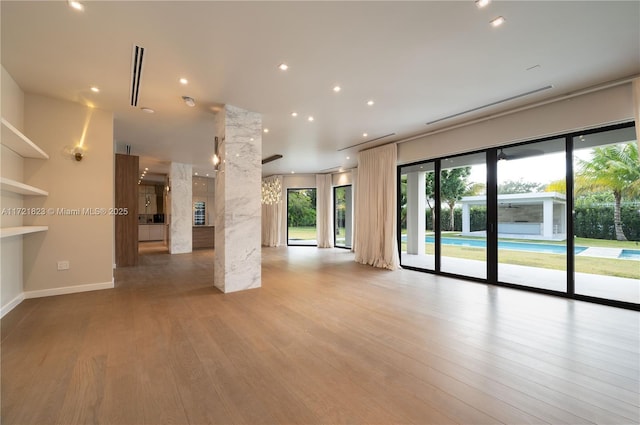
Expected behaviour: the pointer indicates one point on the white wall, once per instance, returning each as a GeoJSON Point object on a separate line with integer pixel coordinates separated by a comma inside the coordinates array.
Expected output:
{"type": "Point", "coordinates": [86, 241]}
{"type": "Point", "coordinates": [591, 110]}
{"type": "Point", "coordinates": [12, 106]}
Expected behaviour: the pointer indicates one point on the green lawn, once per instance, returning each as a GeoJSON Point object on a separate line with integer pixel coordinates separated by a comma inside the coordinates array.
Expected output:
{"type": "Point", "coordinates": [303, 233]}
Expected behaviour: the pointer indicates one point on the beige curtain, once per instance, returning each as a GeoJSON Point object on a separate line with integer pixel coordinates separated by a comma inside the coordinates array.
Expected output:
{"type": "Point", "coordinates": [271, 210]}
{"type": "Point", "coordinates": [354, 194]}
{"type": "Point", "coordinates": [375, 241]}
{"type": "Point", "coordinates": [324, 212]}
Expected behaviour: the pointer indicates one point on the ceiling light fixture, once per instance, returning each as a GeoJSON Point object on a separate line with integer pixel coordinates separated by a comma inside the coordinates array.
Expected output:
{"type": "Point", "coordinates": [337, 89]}
{"type": "Point", "coordinates": [294, 114]}
{"type": "Point", "coordinates": [95, 89]}
{"type": "Point", "coordinates": [482, 3]}
{"type": "Point", "coordinates": [266, 130]}
{"type": "Point", "coordinates": [364, 134]}
{"type": "Point", "coordinates": [502, 156]}
{"type": "Point", "coordinates": [310, 118]}
{"type": "Point", "coordinates": [147, 110]}
{"type": "Point", "coordinates": [283, 67]}
{"type": "Point", "coordinates": [293, 172]}
{"type": "Point", "coordinates": [496, 22]}
{"type": "Point", "coordinates": [189, 101]}
{"type": "Point", "coordinates": [76, 5]}
{"type": "Point", "coordinates": [184, 81]}
{"type": "Point", "coordinates": [370, 103]}
{"type": "Point", "coordinates": [146, 169]}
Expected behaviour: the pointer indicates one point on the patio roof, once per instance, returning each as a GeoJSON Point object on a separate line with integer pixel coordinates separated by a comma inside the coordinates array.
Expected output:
{"type": "Point", "coordinates": [517, 198]}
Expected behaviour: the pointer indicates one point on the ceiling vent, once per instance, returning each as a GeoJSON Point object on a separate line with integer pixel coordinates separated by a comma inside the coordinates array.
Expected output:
{"type": "Point", "coordinates": [518, 96]}
{"type": "Point", "coordinates": [136, 73]}
{"type": "Point", "coordinates": [271, 158]}
{"type": "Point", "coordinates": [368, 141]}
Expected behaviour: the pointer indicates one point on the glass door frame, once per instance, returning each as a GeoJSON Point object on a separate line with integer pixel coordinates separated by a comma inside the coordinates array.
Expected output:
{"type": "Point", "coordinates": [492, 218]}
{"type": "Point", "coordinates": [335, 225]}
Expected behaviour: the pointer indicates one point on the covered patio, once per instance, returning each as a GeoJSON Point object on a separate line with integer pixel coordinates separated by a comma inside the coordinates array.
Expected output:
{"type": "Point", "coordinates": [540, 216]}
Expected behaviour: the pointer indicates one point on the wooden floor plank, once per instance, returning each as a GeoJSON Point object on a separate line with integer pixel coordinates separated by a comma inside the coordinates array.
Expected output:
{"type": "Point", "coordinates": [325, 340]}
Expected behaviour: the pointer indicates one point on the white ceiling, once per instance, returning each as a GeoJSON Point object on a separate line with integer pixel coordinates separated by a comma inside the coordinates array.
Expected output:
{"type": "Point", "coordinates": [419, 62]}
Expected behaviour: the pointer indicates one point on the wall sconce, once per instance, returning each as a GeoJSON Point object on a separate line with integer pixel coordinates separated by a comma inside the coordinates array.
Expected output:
{"type": "Point", "coordinates": [189, 101]}
{"type": "Point", "coordinates": [216, 156]}
{"type": "Point", "coordinates": [78, 153]}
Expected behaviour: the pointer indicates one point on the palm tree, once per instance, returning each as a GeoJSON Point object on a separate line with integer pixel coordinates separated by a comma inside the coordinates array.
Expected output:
{"type": "Point", "coordinates": [613, 168]}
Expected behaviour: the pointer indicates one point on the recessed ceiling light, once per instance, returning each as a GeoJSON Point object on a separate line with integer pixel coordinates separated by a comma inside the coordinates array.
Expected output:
{"type": "Point", "coordinates": [337, 89]}
{"type": "Point", "coordinates": [294, 114]}
{"type": "Point", "coordinates": [146, 169]}
{"type": "Point", "coordinates": [196, 174]}
{"type": "Point", "coordinates": [293, 172]}
{"type": "Point", "coordinates": [310, 118]}
{"type": "Point", "coordinates": [370, 103]}
{"type": "Point", "coordinates": [364, 134]}
{"type": "Point", "coordinates": [251, 139]}
{"type": "Point", "coordinates": [266, 130]}
{"type": "Point", "coordinates": [482, 3]}
{"type": "Point", "coordinates": [207, 175]}
{"type": "Point", "coordinates": [147, 110]}
{"type": "Point", "coordinates": [184, 81]}
{"type": "Point", "coordinates": [95, 89]}
{"type": "Point", "coordinates": [283, 67]}
{"type": "Point", "coordinates": [496, 22]}
{"type": "Point", "coordinates": [76, 5]}
{"type": "Point", "coordinates": [348, 158]}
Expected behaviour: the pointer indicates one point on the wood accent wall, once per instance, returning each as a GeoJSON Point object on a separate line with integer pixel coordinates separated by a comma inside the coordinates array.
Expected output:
{"type": "Point", "coordinates": [203, 237]}
{"type": "Point", "coordinates": [126, 189]}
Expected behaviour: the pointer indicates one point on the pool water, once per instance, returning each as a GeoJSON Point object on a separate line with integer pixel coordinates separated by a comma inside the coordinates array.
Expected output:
{"type": "Point", "coordinates": [630, 254]}
{"type": "Point", "coordinates": [516, 246]}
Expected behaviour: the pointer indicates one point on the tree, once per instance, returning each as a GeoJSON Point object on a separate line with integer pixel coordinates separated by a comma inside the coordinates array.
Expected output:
{"type": "Point", "coordinates": [453, 185]}
{"type": "Point", "coordinates": [559, 186]}
{"type": "Point", "coordinates": [613, 168]}
{"type": "Point", "coordinates": [518, 186]}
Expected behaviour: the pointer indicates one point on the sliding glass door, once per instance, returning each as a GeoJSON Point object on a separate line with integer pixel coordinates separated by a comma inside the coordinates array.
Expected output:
{"type": "Point", "coordinates": [559, 215]}
{"type": "Point", "coordinates": [342, 216]}
{"type": "Point", "coordinates": [301, 217]}
{"type": "Point", "coordinates": [463, 219]}
{"type": "Point", "coordinates": [532, 211]}
{"type": "Point", "coordinates": [606, 222]}
{"type": "Point", "coordinates": [417, 216]}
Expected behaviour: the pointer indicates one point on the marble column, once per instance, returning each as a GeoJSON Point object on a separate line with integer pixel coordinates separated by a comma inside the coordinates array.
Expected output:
{"type": "Point", "coordinates": [180, 228]}
{"type": "Point", "coordinates": [238, 206]}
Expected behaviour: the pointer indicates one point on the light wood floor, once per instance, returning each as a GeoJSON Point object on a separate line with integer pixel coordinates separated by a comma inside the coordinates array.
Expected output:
{"type": "Point", "coordinates": [325, 340]}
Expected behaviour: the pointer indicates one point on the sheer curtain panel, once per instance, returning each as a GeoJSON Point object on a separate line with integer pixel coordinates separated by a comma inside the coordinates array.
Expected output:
{"type": "Point", "coordinates": [324, 212]}
{"type": "Point", "coordinates": [375, 240]}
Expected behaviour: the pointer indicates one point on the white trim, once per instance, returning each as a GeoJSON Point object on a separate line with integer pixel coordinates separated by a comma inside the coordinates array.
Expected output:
{"type": "Point", "coordinates": [11, 305]}
{"type": "Point", "coordinates": [68, 290]}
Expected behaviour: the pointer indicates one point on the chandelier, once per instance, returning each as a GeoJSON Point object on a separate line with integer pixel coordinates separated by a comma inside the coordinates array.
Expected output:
{"type": "Point", "coordinates": [271, 191]}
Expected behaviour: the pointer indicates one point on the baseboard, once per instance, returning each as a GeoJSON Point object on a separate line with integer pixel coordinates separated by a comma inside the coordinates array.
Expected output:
{"type": "Point", "coordinates": [11, 305]}
{"type": "Point", "coordinates": [68, 290]}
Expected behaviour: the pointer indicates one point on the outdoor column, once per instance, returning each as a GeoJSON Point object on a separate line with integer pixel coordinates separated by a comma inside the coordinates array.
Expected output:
{"type": "Point", "coordinates": [466, 218]}
{"type": "Point", "coordinates": [547, 219]}
{"type": "Point", "coordinates": [238, 194]}
{"type": "Point", "coordinates": [181, 224]}
{"type": "Point", "coordinates": [416, 200]}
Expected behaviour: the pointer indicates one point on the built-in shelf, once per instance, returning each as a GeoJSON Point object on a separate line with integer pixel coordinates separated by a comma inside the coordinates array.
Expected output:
{"type": "Point", "coordinates": [19, 143]}
{"type": "Point", "coordinates": [21, 230]}
{"type": "Point", "coordinates": [21, 188]}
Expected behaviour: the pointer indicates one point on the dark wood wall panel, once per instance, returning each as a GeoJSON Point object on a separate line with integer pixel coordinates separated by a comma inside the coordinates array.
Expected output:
{"type": "Point", "coordinates": [127, 197]}
{"type": "Point", "coordinates": [203, 237]}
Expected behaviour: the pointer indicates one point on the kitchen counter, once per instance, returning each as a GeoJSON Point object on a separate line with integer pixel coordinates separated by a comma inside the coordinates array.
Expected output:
{"type": "Point", "coordinates": [203, 237]}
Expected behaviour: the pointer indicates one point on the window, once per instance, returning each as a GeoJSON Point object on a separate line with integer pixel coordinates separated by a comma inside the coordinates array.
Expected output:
{"type": "Point", "coordinates": [342, 216]}
{"type": "Point", "coordinates": [301, 217]}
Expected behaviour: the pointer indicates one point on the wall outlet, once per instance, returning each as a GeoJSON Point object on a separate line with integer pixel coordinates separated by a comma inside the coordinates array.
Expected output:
{"type": "Point", "coordinates": [63, 265]}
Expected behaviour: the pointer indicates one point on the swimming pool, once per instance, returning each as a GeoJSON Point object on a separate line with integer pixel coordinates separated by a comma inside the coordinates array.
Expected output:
{"type": "Point", "coordinates": [516, 246]}
{"type": "Point", "coordinates": [630, 254]}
